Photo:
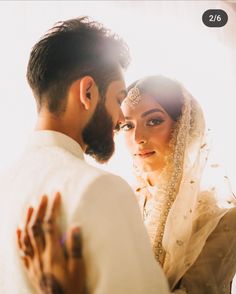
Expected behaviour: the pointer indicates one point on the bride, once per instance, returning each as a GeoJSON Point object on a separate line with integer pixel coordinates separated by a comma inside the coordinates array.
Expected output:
{"type": "Point", "coordinates": [192, 235]}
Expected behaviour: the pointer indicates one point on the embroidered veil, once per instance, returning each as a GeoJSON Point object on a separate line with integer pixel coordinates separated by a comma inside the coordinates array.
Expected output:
{"type": "Point", "coordinates": [182, 213]}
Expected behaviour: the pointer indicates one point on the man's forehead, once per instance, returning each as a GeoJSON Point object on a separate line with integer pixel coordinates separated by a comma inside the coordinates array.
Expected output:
{"type": "Point", "coordinates": [118, 87]}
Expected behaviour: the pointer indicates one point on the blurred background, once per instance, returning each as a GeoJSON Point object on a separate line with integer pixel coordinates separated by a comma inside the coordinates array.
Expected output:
{"type": "Point", "coordinates": [165, 37]}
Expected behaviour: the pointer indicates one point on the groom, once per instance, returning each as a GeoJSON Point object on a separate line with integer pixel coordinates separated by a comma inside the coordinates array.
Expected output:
{"type": "Point", "coordinates": [76, 74]}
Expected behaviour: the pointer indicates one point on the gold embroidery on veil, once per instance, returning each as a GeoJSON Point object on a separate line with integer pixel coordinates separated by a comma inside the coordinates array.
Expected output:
{"type": "Point", "coordinates": [168, 187]}
{"type": "Point", "coordinates": [175, 203]}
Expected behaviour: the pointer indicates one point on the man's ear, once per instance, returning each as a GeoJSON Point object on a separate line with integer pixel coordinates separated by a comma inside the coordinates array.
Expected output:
{"type": "Point", "coordinates": [87, 85]}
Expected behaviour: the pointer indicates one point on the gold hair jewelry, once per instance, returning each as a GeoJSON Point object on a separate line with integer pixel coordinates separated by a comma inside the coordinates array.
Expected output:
{"type": "Point", "coordinates": [133, 97]}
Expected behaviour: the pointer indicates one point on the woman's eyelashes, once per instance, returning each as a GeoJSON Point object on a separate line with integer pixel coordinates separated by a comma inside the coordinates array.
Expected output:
{"type": "Point", "coordinates": [154, 122]}
{"type": "Point", "coordinates": [150, 123]}
{"type": "Point", "coordinates": [126, 126]}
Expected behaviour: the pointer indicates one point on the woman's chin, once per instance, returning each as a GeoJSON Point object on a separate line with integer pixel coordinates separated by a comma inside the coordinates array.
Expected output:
{"type": "Point", "coordinates": [148, 168]}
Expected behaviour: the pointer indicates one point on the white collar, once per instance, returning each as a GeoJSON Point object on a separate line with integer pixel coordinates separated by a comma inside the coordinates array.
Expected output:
{"type": "Point", "coordinates": [53, 138]}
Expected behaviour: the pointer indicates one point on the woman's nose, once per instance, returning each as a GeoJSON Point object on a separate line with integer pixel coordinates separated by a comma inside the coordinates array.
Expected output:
{"type": "Point", "coordinates": [139, 137]}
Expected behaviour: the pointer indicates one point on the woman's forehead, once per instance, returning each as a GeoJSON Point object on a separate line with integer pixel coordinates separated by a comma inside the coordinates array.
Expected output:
{"type": "Point", "coordinates": [146, 103]}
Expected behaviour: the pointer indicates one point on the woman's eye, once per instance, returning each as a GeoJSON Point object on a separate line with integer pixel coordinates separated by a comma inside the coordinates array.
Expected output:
{"type": "Point", "coordinates": [155, 122]}
{"type": "Point", "coordinates": [126, 127]}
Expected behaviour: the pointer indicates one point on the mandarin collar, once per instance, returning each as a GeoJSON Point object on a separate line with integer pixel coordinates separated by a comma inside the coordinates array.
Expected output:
{"type": "Point", "coordinates": [53, 138]}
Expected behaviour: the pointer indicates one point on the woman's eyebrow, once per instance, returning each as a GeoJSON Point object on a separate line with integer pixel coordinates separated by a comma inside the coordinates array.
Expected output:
{"type": "Point", "coordinates": [147, 112]}
{"type": "Point", "coordinates": [151, 111]}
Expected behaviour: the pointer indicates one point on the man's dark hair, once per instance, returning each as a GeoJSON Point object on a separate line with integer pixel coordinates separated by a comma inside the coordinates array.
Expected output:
{"type": "Point", "coordinates": [70, 50]}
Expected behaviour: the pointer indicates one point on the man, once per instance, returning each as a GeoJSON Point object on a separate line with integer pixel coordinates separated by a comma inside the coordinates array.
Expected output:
{"type": "Point", "coordinates": [76, 74]}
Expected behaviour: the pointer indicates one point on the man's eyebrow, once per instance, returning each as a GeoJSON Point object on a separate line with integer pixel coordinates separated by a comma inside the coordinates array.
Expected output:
{"type": "Point", "coordinates": [151, 111]}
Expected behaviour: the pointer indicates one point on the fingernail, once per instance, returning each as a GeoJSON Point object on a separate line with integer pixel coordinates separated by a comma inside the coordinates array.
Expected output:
{"type": "Point", "coordinates": [44, 198]}
{"type": "Point", "coordinates": [30, 210]}
{"type": "Point", "coordinates": [18, 232]}
{"type": "Point", "coordinates": [58, 195]}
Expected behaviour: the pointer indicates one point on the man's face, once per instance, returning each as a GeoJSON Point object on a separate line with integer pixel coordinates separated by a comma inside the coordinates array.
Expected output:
{"type": "Point", "coordinates": [99, 132]}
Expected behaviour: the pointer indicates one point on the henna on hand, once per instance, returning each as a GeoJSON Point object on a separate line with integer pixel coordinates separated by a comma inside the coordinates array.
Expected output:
{"type": "Point", "coordinates": [38, 233]}
{"type": "Point", "coordinates": [49, 285]}
{"type": "Point", "coordinates": [76, 250]}
{"type": "Point", "coordinates": [43, 249]}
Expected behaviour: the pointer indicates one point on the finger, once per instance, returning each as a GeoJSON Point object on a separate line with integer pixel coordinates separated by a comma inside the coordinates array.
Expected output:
{"type": "Point", "coordinates": [29, 215]}
{"type": "Point", "coordinates": [50, 227]}
{"type": "Point", "coordinates": [19, 231]}
{"type": "Point", "coordinates": [56, 206]}
{"type": "Point", "coordinates": [54, 249]}
{"type": "Point", "coordinates": [42, 209]}
{"type": "Point", "coordinates": [25, 260]}
{"type": "Point", "coordinates": [23, 237]}
{"type": "Point", "coordinates": [27, 248]}
{"type": "Point", "coordinates": [18, 234]}
{"type": "Point", "coordinates": [37, 233]}
{"type": "Point", "coordinates": [23, 257]}
{"type": "Point", "coordinates": [74, 243]}
{"type": "Point", "coordinates": [75, 262]}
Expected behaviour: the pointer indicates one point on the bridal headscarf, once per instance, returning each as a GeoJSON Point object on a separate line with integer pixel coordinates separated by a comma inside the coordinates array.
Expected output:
{"type": "Point", "coordinates": [182, 214]}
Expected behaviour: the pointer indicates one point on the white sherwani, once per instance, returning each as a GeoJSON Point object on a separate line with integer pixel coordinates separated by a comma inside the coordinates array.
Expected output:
{"type": "Point", "coordinates": [116, 249]}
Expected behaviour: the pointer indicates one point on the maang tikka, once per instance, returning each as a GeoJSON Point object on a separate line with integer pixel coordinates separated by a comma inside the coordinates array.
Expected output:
{"type": "Point", "coordinates": [133, 97]}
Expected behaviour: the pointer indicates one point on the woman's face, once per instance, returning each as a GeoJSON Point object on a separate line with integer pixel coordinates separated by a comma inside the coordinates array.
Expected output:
{"type": "Point", "coordinates": [147, 128]}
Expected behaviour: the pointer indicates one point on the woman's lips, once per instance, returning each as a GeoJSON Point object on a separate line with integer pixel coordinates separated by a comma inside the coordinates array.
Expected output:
{"type": "Point", "coordinates": [145, 154]}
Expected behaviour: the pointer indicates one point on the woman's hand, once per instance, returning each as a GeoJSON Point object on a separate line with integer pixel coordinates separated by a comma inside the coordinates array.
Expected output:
{"type": "Point", "coordinates": [53, 266]}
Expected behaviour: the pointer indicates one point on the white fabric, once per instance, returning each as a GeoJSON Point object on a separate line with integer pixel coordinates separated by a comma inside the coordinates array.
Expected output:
{"type": "Point", "coordinates": [116, 249]}
{"type": "Point", "coordinates": [181, 213]}
{"type": "Point", "coordinates": [183, 240]}
{"type": "Point", "coordinates": [214, 269]}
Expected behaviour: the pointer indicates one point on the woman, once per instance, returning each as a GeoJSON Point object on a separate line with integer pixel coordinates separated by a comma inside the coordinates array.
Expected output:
{"type": "Point", "coordinates": [165, 133]}
{"type": "Point", "coordinates": [192, 237]}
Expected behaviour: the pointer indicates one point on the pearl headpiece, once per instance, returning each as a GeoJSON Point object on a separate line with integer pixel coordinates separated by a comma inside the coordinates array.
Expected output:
{"type": "Point", "coordinates": [133, 97]}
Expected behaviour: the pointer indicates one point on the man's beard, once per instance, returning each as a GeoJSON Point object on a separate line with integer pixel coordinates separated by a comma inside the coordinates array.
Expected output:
{"type": "Point", "coordinates": [98, 135]}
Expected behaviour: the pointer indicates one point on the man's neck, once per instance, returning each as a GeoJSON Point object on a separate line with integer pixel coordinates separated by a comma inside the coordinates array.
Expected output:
{"type": "Point", "coordinates": [51, 122]}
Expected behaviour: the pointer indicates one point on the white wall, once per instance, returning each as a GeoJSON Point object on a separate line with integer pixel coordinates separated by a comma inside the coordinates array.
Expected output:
{"type": "Point", "coordinates": [165, 37]}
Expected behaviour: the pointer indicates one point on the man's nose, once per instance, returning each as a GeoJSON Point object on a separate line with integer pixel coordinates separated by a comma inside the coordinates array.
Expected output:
{"type": "Point", "coordinates": [121, 117]}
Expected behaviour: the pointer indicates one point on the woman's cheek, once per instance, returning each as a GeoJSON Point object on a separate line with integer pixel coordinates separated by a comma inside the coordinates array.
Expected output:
{"type": "Point", "coordinates": [129, 144]}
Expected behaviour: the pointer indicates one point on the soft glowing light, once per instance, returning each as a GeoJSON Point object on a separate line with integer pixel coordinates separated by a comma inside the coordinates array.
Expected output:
{"type": "Point", "coordinates": [165, 37]}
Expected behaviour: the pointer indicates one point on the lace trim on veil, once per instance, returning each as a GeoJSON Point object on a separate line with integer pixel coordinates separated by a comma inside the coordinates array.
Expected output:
{"type": "Point", "coordinates": [177, 203]}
